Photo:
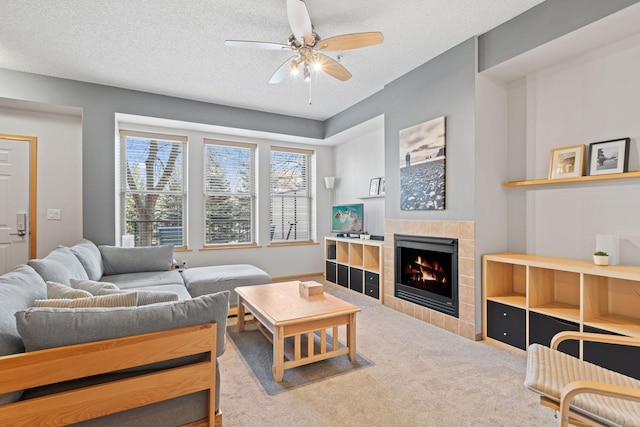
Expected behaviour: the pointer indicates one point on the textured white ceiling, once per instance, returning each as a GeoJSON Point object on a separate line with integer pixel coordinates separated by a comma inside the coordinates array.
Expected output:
{"type": "Point", "coordinates": [177, 48]}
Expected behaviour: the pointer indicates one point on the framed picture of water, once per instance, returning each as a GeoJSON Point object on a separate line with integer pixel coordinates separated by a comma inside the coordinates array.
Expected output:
{"type": "Point", "coordinates": [422, 166]}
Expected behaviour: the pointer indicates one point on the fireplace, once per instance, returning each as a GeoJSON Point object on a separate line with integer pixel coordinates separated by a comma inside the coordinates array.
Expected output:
{"type": "Point", "coordinates": [426, 272]}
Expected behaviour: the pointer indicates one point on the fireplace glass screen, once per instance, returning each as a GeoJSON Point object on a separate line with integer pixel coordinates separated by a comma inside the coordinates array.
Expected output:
{"type": "Point", "coordinates": [427, 270]}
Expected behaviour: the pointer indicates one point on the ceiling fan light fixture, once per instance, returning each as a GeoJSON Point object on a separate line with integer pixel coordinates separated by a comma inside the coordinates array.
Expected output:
{"type": "Point", "coordinates": [306, 74]}
{"type": "Point", "coordinates": [294, 68]}
{"type": "Point", "coordinates": [317, 65]}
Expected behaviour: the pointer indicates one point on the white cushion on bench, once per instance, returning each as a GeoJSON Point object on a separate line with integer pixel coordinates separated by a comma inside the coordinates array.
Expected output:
{"type": "Point", "coordinates": [549, 371]}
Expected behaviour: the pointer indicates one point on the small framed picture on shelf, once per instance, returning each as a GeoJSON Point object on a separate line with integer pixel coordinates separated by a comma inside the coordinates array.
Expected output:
{"type": "Point", "coordinates": [382, 185]}
{"type": "Point", "coordinates": [609, 156]}
{"type": "Point", "coordinates": [374, 186]}
{"type": "Point", "coordinates": [566, 162]}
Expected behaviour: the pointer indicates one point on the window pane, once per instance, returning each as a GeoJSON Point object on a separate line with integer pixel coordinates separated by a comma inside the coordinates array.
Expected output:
{"type": "Point", "coordinates": [229, 199]}
{"type": "Point", "coordinates": [289, 218]}
{"type": "Point", "coordinates": [290, 196]}
{"type": "Point", "coordinates": [228, 219]}
{"type": "Point", "coordinates": [153, 165]}
{"type": "Point", "coordinates": [227, 169]}
{"type": "Point", "coordinates": [154, 219]}
{"type": "Point", "coordinates": [153, 190]}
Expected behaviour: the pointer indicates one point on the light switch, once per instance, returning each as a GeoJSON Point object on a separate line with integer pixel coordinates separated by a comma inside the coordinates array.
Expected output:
{"type": "Point", "coordinates": [53, 214]}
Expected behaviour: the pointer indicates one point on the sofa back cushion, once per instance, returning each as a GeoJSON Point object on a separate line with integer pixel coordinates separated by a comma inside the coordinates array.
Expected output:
{"type": "Point", "coordinates": [18, 289]}
{"type": "Point", "coordinates": [44, 327]}
{"type": "Point", "coordinates": [119, 260]}
{"type": "Point", "coordinates": [90, 257]}
{"type": "Point", "coordinates": [60, 266]}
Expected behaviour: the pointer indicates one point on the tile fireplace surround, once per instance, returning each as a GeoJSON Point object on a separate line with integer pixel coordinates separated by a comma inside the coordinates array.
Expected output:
{"type": "Point", "coordinates": [464, 232]}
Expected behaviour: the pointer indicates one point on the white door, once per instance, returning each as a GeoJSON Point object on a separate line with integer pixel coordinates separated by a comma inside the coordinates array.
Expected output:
{"type": "Point", "coordinates": [14, 203]}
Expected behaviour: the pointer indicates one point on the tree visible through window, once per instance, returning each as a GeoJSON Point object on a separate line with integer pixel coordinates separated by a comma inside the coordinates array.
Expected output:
{"type": "Point", "coordinates": [154, 195]}
{"type": "Point", "coordinates": [229, 192]}
{"type": "Point", "coordinates": [291, 195]}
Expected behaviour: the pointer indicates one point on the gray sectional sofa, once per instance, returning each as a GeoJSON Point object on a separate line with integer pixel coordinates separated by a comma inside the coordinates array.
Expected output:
{"type": "Point", "coordinates": [160, 298]}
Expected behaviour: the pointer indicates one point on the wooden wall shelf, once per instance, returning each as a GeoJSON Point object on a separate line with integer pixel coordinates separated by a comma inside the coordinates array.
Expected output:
{"type": "Point", "coordinates": [533, 182]}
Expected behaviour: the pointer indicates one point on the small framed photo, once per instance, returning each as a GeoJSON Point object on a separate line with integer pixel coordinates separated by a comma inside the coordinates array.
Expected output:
{"type": "Point", "coordinates": [374, 186]}
{"type": "Point", "coordinates": [382, 185]}
{"type": "Point", "coordinates": [609, 156]}
{"type": "Point", "coordinates": [566, 162]}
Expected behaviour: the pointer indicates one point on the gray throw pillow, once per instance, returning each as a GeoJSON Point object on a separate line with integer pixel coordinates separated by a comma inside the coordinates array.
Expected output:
{"type": "Point", "coordinates": [59, 266]}
{"type": "Point", "coordinates": [92, 286]}
{"type": "Point", "coordinates": [57, 290]}
{"type": "Point", "coordinates": [119, 260]}
{"type": "Point", "coordinates": [44, 327]}
{"type": "Point", "coordinates": [18, 289]}
{"type": "Point", "coordinates": [90, 257]}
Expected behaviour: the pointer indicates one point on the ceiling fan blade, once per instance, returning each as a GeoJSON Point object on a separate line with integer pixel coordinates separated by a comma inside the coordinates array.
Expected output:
{"type": "Point", "coordinates": [299, 21]}
{"type": "Point", "coordinates": [350, 41]}
{"type": "Point", "coordinates": [282, 72]}
{"type": "Point", "coordinates": [257, 45]}
{"type": "Point", "coordinates": [333, 67]}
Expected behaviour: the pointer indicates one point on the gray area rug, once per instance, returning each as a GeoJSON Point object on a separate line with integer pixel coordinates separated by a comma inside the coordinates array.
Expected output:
{"type": "Point", "coordinates": [257, 353]}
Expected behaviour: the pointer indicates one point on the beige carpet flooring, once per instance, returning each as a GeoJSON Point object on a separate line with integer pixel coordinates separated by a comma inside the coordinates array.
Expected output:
{"type": "Point", "coordinates": [422, 376]}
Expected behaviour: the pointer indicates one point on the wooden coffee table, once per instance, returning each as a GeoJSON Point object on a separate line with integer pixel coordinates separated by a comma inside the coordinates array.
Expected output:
{"type": "Point", "coordinates": [292, 321]}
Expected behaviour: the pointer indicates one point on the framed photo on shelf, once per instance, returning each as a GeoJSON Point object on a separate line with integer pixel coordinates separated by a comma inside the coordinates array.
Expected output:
{"type": "Point", "coordinates": [382, 186]}
{"type": "Point", "coordinates": [566, 162]}
{"type": "Point", "coordinates": [610, 156]}
{"type": "Point", "coordinates": [374, 186]}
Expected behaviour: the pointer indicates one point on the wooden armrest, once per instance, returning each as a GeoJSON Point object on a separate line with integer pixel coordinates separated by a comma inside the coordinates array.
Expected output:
{"type": "Point", "coordinates": [589, 336]}
{"type": "Point", "coordinates": [576, 387]}
{"type": "Point", "coordinates": [55, 365]}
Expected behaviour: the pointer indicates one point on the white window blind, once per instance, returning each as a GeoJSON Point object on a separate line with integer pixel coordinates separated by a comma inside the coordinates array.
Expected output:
{"type": "Point", "coordinates": [229, 192]}
{"type": "Point", "coordinates": [153, 195]}
{"type": "Point", "coordinates": [292, 196]}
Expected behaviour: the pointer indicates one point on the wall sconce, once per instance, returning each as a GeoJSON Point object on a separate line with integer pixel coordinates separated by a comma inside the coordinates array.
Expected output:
{"type": "Point", "coordinates": [329, 182]}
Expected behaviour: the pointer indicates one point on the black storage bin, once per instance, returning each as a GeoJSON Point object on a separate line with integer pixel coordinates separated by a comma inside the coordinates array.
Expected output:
{"type": "Point", "coordinates": [331, 252]}
{"type": "Point", "coordinates": [620, 358]}
{"type": "Point", "coordinates": [372, 284]}
{"type": "Point", "coordinates": [507, 324]}
{"type": "Point", "coordinates": [343, 275]}
{"type": "Point", "coordinates": [330, 271]}
{"type": "Point", "coordinates": [356, 280]}
{"type": "Point", "coordinates": [542, 328]}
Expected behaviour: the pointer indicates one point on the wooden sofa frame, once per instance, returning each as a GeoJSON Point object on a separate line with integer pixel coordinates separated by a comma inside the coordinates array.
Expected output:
{"type": "Point", "coordinates": [566, 415]}
{"type": "Point", "coordinates": [55, 365]}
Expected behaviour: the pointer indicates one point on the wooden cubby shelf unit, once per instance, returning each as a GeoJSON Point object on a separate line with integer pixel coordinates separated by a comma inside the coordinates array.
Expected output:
{"type": "Point", "coordinates": [570, 292]}
{"type": "Point", "coordinates": [355, 264]}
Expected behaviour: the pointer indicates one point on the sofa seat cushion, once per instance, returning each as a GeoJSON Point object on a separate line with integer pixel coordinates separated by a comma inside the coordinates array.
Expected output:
{"type": "Point", "coordinates": [207, 280]}
{"type": "Point", "coordinates": [144, 279]}
{"type": "Point", "coordinates": [90, 257]}
{"type": "Point", "coordinates": [46, 327]}
{"type": "Point", "coordinates": [59, 266]}
{"type": "Point", "coordinates": [119, 260]}
{"type": "Point", "coordinates": [18, 289]}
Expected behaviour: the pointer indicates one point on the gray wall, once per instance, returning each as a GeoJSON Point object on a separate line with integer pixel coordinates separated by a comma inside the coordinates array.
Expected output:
{"type": "Point", "coordinates": [99, 105]}
{"type": "Point", "coordinates": [539, 25]}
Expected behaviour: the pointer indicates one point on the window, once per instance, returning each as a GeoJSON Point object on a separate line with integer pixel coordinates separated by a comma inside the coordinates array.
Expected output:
{"type": "Point", "coordinates": [153, 197]}
{"type": "Point", "coordinates": [292, 195]}
{"type": "Point", "coordinates": [229, 192]}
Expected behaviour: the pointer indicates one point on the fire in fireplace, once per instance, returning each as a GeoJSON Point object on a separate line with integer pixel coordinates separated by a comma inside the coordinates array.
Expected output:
{"type": "Point", "coordinates": [426, 272]}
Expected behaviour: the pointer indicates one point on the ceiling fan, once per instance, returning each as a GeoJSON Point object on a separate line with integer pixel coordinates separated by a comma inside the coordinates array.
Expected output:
{"type": "Point", "coordinates": [308, 47]}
